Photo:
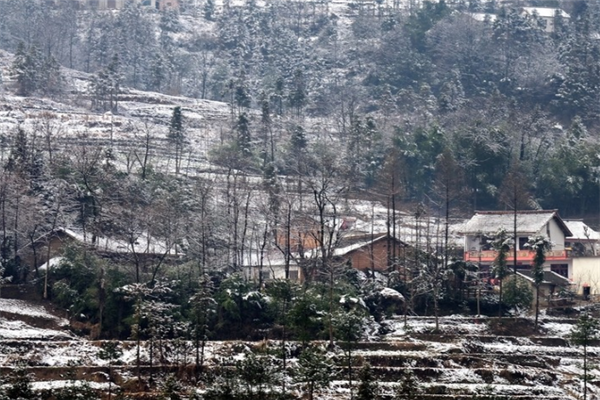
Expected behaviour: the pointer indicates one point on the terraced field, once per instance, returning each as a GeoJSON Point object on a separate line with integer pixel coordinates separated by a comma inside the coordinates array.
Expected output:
{"type": "Point", "coordinates": [465, 359]}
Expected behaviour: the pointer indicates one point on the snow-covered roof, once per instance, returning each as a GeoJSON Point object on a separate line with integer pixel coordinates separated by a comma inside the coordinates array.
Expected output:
{"type": "Point", "coordinates": [550, 278]}
{"type": "Point", "coordinates": [358, 244]}
{"type": "Point", "coordinates": [483, 16]}
{"type": "Point", "coordinates": [144, 244]}
{"type": "Point", "coordinates": [546, 12]}
{"type": "Point", "coordinates": [581, 231]}
{"type": "Point", "coordinates": [528, 222]}
{"type": "Point", "coordinates": [53, 262]}
{"type": "Point", "coordinates": [274, 258]}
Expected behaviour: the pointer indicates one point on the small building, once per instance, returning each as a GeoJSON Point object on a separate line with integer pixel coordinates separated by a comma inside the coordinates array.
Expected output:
{"type": "Point", "coordinates": [550, 288]}
{"type": "Point", "coordinates": [371, 253]}
{"type": "Point", "coordinates": [481, 228]}
{"type": "Point", "coordinates": [586, 276]}
{"type": "Point", "coordinates": [584, 241]}
{"type": "Point", "coordinates": [366, 253]}
{"type": "Point", "coordinates": [270, 265]}
{"type": "Point", "coordinates": [143, 249]}
{"type": "Point", "coordinates": [585, 254]}
{"type": "Point", "coordinates": [483, 17]}
{"type": "Point", "coordinates": [546, 14]}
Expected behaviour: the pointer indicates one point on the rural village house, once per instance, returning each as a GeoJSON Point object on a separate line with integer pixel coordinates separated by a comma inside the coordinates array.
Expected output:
{"type": "Point", "coordinates": [482, 227]}
{"type": "Point", "coordinates": [142, 249]}
{"type": "Point", "coordinates": [546, 14]}
{"type": "Point", "coordinates": [366, 253]}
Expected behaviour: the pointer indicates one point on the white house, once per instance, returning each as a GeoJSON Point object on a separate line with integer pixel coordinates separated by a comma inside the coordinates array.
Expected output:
{"type": "Point", "coordinates": [584, 240]}
{"type": "Point", "coordinates": [547, 14]}
{"type": "Point", "coordinates": [482, 227]}
{"type": "Point", "coordinates": [269, 265]}
{"type": "Point", "coordinates": [584, 244]}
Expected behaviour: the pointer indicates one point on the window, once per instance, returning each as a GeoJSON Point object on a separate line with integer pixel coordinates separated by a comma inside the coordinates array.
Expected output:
{"type": "Point", "coordinates": [293, 275]}
{"type": "Point", "coordinates": [265, 275]}
{"type": "Point", "coordinates": [561, 269]}
{"type": "Point", "coordinates": [522, 242]}
{"type": "Point", "coordinates": [111, 4]}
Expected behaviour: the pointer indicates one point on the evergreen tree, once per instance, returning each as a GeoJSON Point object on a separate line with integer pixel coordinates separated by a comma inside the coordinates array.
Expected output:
{"type": "Point", "coordinates": [409, 388]}
{"type": "Point", "coordinates": [171, 389]}
{"type": "Point", "coordinates": [244, 140]}
{"type": "Point", "coordinates": [583, 334]}
{"type": "Point", "coordinates": [106, 86]}
{"type": "Point", "coordinates": [18, 386]}
{"type": "Point", "coordinates": [26, 69]}
{"type": "Point", "coordinates": [579, 89]}
{"type": "Point", "coordinates": [209, 10]}
{"type": "Point", "coordinates": [517, 293]}
{"type": "Point", "coordinates": [367, 387]}
{"type": "Point", "coordinates": [540, 245]}
{"type": "Point", "coordinates": [348, 326]}
{"type": "Point", "coordinates": [204, 308]}
{"type": "Point", "coordinates": [314, 371]}
{"type": "Point", "coordinates": [242, 94]}
{"type": "Point", "coordinates": [51, 77]}
{"type": "Point", "coordinates": [298, 97]}
{"type": "Point", "coordinates": [177, 136]}
{"type": "Point", "coordinates": [258, 373]}
{"type": "Point", "coordinates": [110, 351]}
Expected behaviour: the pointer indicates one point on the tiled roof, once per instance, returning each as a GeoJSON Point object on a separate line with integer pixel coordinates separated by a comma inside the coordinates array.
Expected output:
{"type": "Point", "coordinates": [528, 222]}
{"type": "Point", "coordinates": [550, 277]}
{"type": "Point", "coordinates": [580, 231]}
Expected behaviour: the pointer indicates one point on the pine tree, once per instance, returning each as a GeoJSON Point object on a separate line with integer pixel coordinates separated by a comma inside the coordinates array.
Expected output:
{"type": "Point", "coordinates": [19, 386]}
{"type": "Point", "coordinates": [110, 351]}
{"type": "Point", "coordinates": [314, 371]}
{"type": "Point", "coordinates": [106, 86]}
{"type": "Point", "coordinates": [244, 140]}
{"type": "Point", "coordinates": [209, 10]}
{"type": "Point", "coordinates": [540, 245]}
{"type": "Point", "coordinates": [204, 307]}
{"type": "Point", "coordinates": [26, 68]}
{"type": "Point", "coordinates": [583, 334]}
{"type": "Point", "coordinates": [409, 387]}
{"type": "Point", "coordinates": [367, 388]}
{"type": "Point", "coordinates": [51, 77]}
{"type": "Point", "coordinates": [258, 372]}
{"type": "Point", "coordinates": [298, 97]}
{"type": "Point", "coordinates": [348, 326]}
{"type": "Point", "coordinates": [177, 136]}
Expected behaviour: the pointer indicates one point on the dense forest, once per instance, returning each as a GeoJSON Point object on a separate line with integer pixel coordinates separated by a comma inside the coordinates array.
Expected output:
{"type": "Point", "coordinates": [394, 85]}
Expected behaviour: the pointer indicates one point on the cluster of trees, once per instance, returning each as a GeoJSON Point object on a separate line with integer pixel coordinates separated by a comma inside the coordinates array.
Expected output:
{"type": "Point", "coordinates": [258, 375]}
{"type": "Point", "coordinates": [400, 86]}
{"type": "Point", "coordinates": [268, 373]}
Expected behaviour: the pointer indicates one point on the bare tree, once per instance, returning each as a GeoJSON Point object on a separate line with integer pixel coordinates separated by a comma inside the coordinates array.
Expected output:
{"type": "Point", "coordinates": [515, 195]}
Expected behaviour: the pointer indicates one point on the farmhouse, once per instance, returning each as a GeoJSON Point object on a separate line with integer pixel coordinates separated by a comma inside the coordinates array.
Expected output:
{"type": "Point", "coordinates": [141, 249]}
{"type": "Point", "coordinates": [367, 253]}
{"type": "Point", "coordinates": [546, 14]}
{"type": "Point", "coordinates": [482, 227]}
